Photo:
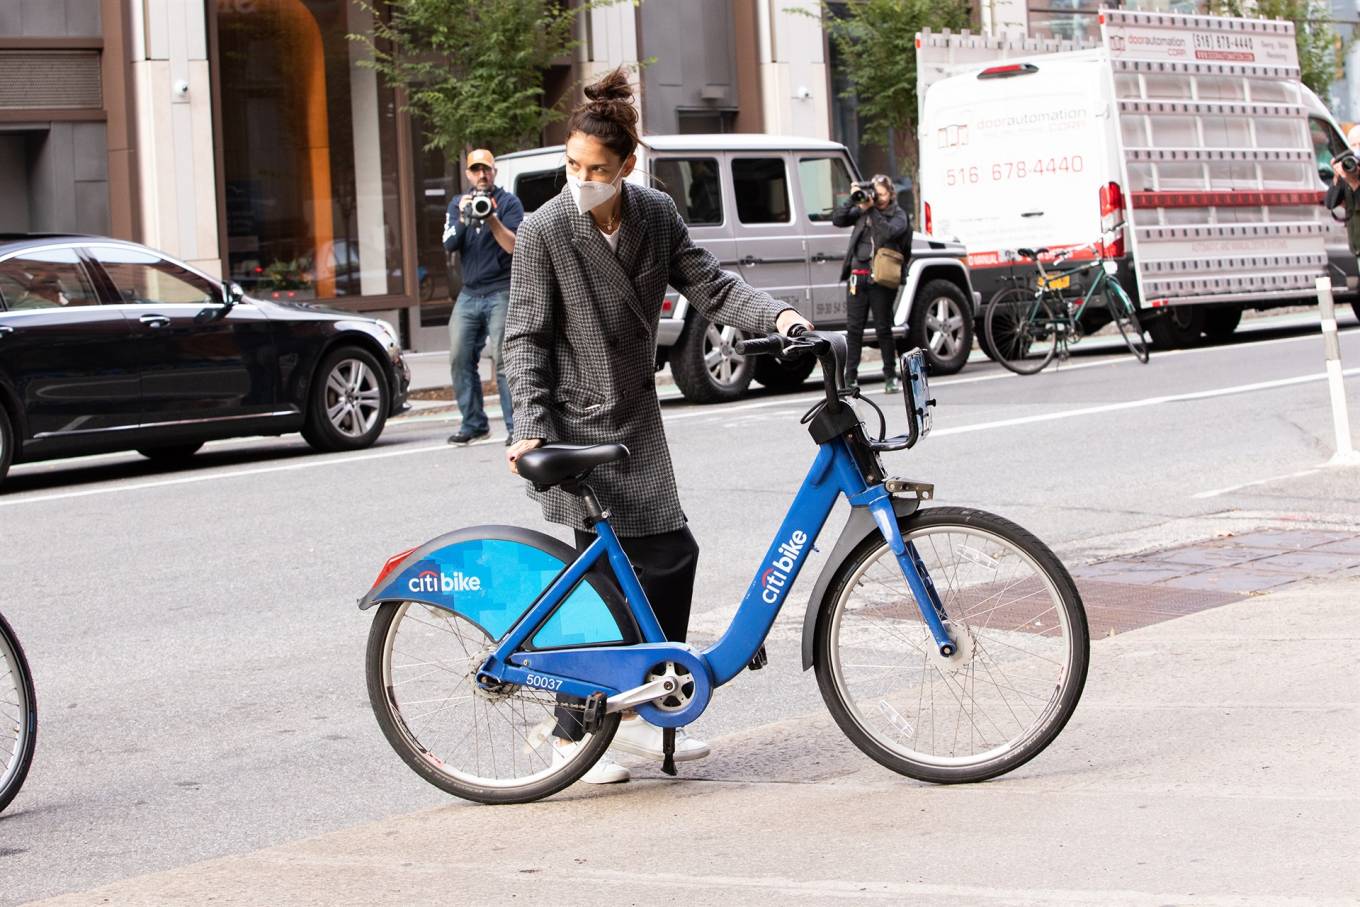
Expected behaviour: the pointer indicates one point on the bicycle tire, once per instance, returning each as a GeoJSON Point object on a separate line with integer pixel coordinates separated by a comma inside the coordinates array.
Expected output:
{"type": "Point", "coordinates": [1019, 324]}
{"type": "Point", "coordinates": [868, 615]}
{"type": "Point", "coordinates": [18, 715]}
{"type": "Point", "coordinates": [530, 729]}
{"type": "Point", "coordinates": [1126, 319]}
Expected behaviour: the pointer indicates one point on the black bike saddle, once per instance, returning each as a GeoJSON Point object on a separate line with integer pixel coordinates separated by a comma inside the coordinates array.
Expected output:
{"type": "Point", "coordinates": [553, 464]}
{"type": "Point", "coordinates": [1030, 253]}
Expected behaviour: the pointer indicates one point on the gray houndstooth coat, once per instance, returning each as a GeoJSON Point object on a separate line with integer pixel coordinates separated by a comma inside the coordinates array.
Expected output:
{"type": "Point", "coordinates": [580, 344]}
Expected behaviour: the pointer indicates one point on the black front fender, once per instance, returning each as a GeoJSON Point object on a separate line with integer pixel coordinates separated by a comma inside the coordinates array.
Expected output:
{"type": "Point", "coordinates": [857, 528]}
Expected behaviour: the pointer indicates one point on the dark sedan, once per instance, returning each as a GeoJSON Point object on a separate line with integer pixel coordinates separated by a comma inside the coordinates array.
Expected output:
{"type": "Point", "coordinates": [108, 345]}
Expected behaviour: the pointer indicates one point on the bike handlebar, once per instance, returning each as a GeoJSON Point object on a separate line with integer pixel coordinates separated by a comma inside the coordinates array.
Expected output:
{"type": "Point", "coordinates": [829, 348]}
{"type": "Point", "coordinates": [761, 346]}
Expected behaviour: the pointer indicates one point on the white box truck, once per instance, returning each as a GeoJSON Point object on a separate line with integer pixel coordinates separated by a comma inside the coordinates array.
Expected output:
{"type": "Point", "coordinates": [1186, 144]}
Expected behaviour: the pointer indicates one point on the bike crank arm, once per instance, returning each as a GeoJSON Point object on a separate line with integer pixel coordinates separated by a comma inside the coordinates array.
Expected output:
{"type": "Point", "coordinates": [648, 692]}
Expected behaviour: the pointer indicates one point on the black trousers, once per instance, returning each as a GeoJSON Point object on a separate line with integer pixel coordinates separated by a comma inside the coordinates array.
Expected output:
{"type": "Point", "coordinates": [878, 300]}
{"type": "Point", "coordinates": [665, 565]}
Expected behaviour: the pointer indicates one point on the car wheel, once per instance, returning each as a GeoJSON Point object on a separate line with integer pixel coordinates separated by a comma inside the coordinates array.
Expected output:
{"type": "Point", "coordinates": [347, 404]}
{"type": "Point", "coordinates": [781, 376]}
{"type": "Point", "coordinates": [1177, 327]}
{"type": "Point", "coordinates": [170, 454]}
{"type": "Point", "coordinates": [1220, 323]}
{"type": "Point", "coordinates": [6, 443]}
{"type": "Point", "coordinates": [706, 365]}
{"type": "Point", "coordinates": [941, 324]}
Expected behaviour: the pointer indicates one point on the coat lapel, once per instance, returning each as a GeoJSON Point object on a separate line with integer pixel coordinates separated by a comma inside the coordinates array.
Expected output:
{"type": "Point", "coordinates": [614, 268]}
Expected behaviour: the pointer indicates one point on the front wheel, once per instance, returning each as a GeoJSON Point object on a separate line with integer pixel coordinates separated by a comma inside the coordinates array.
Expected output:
{"type": "Point", "coordinates": [491, 746]}
{"type": "Point", "coordinates": [18, 715]}
{"type": "Point", "coordinates": [1126, 319]}
{"type": "Point", "coordinates": [1022, 648]}
{"type": "Point", "coordinates": [347, 404]}
{"type": "Point", "coordinates": [1022, 330]}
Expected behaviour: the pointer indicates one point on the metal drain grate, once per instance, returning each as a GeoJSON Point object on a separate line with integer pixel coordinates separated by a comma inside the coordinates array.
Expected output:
{"type": "Point", "coordinates": [1119, 607]}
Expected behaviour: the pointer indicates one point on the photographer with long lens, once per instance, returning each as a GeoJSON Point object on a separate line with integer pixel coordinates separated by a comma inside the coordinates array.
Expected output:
{"type": "Point", "coordinates": [879, 245]}
{"type": "Point", "coordinates": [1345, 193]}
{"type": "Point", "coordinates": [481, 226]}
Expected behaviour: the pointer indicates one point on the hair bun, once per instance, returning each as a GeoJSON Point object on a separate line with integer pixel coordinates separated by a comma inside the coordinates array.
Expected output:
{"type": "Point", "coordinates": [611, 89]}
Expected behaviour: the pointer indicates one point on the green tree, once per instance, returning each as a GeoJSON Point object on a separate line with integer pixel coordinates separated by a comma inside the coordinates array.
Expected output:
{"type": "Point", "coordinates": [876, 40]}
{"type": "Point", "coordinates": [472, 70]}
{"type": "Point", "coordinates": [1320, 51]}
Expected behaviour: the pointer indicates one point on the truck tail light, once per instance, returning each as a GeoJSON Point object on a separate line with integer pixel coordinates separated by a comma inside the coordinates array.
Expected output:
{"type": "Point", "coordinates": [930, 222]}
{"type": "Point", "coordinates": [1008, 70]}
{"type": "Point", "coordinates": [1112, 220]}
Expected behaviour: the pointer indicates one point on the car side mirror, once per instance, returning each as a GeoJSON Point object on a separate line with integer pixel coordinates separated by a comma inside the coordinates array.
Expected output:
{"type": "Point", "coordinates": [234, 293]}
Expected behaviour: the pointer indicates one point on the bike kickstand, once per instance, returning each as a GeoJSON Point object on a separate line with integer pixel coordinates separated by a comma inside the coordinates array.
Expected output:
{"type": "Point", "coordinates": [668, 750]}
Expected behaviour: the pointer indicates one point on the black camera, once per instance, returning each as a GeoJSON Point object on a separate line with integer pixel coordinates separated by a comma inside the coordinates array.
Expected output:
{"type": "Point", "coordinates": [861, 193]}
{"type": "Point", "coordinates": [1348, 161]}
{"type": "Point", "coordinates": [477, 208]}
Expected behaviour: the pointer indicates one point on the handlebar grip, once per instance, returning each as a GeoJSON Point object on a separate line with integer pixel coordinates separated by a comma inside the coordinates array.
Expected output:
{"type": "Point", "coordinates": [760, 346]}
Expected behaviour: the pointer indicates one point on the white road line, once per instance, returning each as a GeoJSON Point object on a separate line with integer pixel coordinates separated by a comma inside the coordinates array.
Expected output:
{"type": "Point", "coordinates": [1218, 491]}
{"type": "Point", "coordinates": [312, 463]}
{"type": "Point", "coordinates": [943, 432]}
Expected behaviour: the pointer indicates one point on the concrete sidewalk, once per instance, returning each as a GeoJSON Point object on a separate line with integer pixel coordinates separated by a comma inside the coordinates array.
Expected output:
{"type": "Point", "coordinates": [1212, 760]}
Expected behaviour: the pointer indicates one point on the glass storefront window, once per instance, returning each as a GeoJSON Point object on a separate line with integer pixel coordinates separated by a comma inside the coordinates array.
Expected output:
{"type": "Point", "coordinates": [308, 152]}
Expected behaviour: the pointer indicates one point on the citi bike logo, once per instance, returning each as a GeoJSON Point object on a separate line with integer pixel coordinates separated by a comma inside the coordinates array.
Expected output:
{"type": "Point", "coordinates": [773, 580]}
{"type": "Point", "coordinates": [439, 581]}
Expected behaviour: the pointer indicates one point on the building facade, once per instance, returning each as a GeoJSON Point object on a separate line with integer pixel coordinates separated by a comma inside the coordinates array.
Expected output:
{"type": "Point", "coordinates": [244, 136]}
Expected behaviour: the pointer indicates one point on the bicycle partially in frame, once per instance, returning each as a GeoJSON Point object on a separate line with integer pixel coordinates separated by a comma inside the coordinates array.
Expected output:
{"type": "Point", "coordinates": [949, 644]}
{"type": "Point", "coordinates": [1027, 326]}
{"type": "Point", "coordinates": [18, 715]}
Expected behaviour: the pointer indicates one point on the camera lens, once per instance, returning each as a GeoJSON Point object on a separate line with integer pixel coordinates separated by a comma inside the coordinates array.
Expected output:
{"type": "Point", "coordinates": [481, 206]}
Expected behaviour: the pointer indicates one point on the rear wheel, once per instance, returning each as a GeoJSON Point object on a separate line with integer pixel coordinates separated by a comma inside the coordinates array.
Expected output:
{"type": "Point", "coordinates": [6, 443]}
{"type": "Point", "coordinates": [1220, 323]}
{"type": "Point", "coordinates": [1126, 319]}
{"type": "Point", "coordinates": [18, 713]}
{"type": "Point", "coordinates": [1022, 649]}
{"type": "Point", "coordinates": [1177, 327]}
{"type": "Point", "coordinates": [706, 365]}
{"type": "Point", "coordinates": [1020, 329]}
{"type": "Point", "coordinates": [491, 746]}
{"type": "Point", "coordinates": [941, 324]}
{"type": "Point", "coordinates": [348, 401]}
{"type": "Point", "coordinates": [170, 454]}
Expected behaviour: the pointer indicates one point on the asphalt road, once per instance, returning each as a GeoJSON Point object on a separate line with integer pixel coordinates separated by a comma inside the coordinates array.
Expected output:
{"type": "Point", "coordinates": [199, 659]}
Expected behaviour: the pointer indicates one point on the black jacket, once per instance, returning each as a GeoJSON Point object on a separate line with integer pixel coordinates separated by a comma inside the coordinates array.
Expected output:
{"type": "Point", "coordinates": [1338, 195]}
{"type": "Point", "coordinates": [890, 228]}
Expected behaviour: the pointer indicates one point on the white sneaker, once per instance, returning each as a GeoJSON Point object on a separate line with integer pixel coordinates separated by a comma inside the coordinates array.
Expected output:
{"type": "Point", "coordinates": [642, 739]}
{"type": "Point", "coordinates": [604, 771]}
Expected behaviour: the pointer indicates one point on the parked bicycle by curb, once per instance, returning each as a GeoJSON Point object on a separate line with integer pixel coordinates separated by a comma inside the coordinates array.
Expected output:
{"type": "Point", "coordinates": [949, 644]}
{"type": "Point", "coordinates": [1027, 326]}
{"type": "Point", "coordinates": [18, 715]}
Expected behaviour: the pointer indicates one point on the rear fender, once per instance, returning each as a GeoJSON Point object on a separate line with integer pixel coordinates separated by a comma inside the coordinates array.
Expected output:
{"type": "Point", "coordinates": [492, 574]}
{"type": "Point", "coordinates": [858, 527]}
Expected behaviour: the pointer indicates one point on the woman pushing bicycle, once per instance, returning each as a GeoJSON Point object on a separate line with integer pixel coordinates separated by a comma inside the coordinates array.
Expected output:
{"type": "Point", "coordinates": [589, 276]}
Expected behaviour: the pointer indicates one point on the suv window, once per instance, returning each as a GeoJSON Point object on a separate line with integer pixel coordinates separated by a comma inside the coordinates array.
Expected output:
{"type": "Point", "coordinates": [762, 190]}
{"type": "Point", "coordinates": [534, 190]}
{"type": "Point", "coordinates": [694, 185]}
{"type": "Point", "coordinates": [141, 278]}
{"type": "Point", "coordinates": [49, 279]}
{"type": "Point", "coordinates": [826, 184]}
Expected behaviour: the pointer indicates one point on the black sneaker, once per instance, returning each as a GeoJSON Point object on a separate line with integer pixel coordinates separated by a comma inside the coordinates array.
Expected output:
{"type": "Point", "coordinates": [509, 441]}
{"type": "Point", "coordinates": [466, 436]}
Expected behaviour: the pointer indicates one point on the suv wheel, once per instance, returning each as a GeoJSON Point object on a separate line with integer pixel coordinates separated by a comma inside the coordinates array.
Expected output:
{"type": "Point", "coordinates": [706, 365]}
{"type": "Point", "coordinates": [347, 403]}
{"type": "Point", "coordinates": [1177, 327]}
{"type": "Point", "coordinates": [941, 324]}
{"type": "Point", "coordinates": [784, 376]}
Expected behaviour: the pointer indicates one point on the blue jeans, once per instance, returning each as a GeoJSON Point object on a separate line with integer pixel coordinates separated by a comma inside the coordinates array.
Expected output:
{"type": "Point", "coordinates": [475, 320]}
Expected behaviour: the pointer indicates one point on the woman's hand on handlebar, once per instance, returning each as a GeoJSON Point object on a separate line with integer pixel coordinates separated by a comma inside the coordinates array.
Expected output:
{"type": "Point", "coordinates": [519, 447]}
{"type": "Point", "coordinates": [788, 319]}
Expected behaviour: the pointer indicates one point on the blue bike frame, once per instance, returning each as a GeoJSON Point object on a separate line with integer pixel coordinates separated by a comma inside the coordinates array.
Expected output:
{"type": "Point", "coordinates": [610, 670]}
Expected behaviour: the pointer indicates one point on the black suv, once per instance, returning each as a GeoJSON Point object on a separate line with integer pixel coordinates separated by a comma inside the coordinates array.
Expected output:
{"type": "Point", "coordinates": [108, 345]}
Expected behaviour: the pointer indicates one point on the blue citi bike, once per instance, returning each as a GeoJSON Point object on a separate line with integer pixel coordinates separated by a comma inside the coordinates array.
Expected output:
{"type": "Point", "coordinates": [949, 644]}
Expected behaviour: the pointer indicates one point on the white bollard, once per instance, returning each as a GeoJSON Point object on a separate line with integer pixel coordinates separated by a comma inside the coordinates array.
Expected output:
{"type": "Point", "coordinates": [1346, 454]}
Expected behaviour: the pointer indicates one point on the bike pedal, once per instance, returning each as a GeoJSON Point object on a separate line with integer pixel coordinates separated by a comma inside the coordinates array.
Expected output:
{"type": "Point", "coordinates": [758, 660]}
{"type": "Point", "coordinates": [592, 713]}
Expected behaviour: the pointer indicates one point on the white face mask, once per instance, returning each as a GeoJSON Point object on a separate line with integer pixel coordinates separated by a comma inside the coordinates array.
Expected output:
{"type": "Point", "coordinates": [590, 194]}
